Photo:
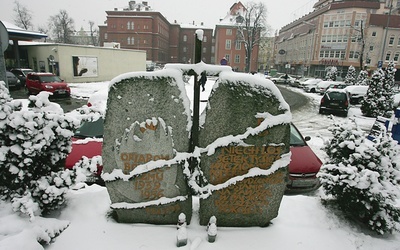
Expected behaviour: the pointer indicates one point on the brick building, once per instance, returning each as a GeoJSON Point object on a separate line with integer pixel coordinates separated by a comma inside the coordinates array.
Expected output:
{"type": "Point", "coordinates": [139, 27]}
{"type": "Point", "coordinates": [229, 45]}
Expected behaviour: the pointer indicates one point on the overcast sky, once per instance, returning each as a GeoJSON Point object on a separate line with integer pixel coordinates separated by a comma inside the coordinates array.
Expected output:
{"type": "Point", "coordinates": [280, 12]}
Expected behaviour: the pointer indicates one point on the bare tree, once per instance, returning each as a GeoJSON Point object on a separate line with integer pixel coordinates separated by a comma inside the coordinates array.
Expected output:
{"type": "Point", "coordinates": [23, 17]}
{"type": "Point", "coordinates": [62, 27]}
{"type": "Point", "coordinates": [250, 27]}
{"type": "Point", "coordinates": [92, 33]}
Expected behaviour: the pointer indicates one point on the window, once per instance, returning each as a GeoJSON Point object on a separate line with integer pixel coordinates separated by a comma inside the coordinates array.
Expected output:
{"type": "Point", "coordinates": [337, 54]}
{"type": "Point", "coordinates": [391, 40]}
{"type": "Point", "coordinates": [396, 56]}
{"type": "Point", "coordinates": [132, 25]}
{"type": "Point", "coordinates": [105, 36]}
{"type": "Point", "coordinates": [129, 40]}
{"type": "Point", "coordinates": [228, 44]}
{"type": "Point", "coordinates": [204, 50]}
{"type": "Point", "coordinates": [326, 24]}
{"type": "Point", "coordinates": [227, 57]}
{"type": "Point", "coordinates": [351, 54]}
{"type": "Point", "coordinates": [331, 24]}
{"type": "Point", "coordinates": [238, 45]}
{"type": "Point", "coordinates": [342, 54]}
{"type": "Point", "coordinates": [374, 33]}
{"type": "Point", "coordinates": [321, 54]}
{"type": "Point", "coordinates": [398, 42]}
{"type": "Point", "coordinates": [228, 32]}
{"type": "Point", "coordinates": [128, 25]}
{"type": "Point", "coordinates": [371, 48]}
{"type": "Point", "coordinates": [185, 38]}
{"type": "Point", "coordinates": [184, 49]}
{"type": "Point", "coordinates": [205, 39]}
{"type": "Point", "coordinates": [387, 58]}
{"type": "Point", "coordinates": [237, 58]}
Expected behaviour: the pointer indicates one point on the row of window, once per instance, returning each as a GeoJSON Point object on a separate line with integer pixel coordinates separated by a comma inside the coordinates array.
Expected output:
{"type": "Point", "coordinates": [228, 43]}
{"type": "Point", "coordinates": [185, 38]}
{"type": "Point", "coordinates": [236, 58]}
{"type": "Point", "coordinates": [340, 54]}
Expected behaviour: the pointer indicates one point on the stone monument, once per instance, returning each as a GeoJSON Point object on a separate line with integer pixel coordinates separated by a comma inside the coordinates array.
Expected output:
{"type": "Point", "coordinates": [147, 124]}
{"type": "Point", "coordinates": [245, 138]}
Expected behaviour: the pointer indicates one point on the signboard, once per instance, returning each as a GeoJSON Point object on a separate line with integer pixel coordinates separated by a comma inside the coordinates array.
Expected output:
{"type": "Point", "coordinates": [281, 52]}
{"type": "Point", "coordinates": [380, 64]}
{"type": "Point", "coordinates": [84, 66]}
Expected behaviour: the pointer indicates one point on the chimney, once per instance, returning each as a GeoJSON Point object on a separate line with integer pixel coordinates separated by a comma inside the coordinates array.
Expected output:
{"type": "Point", "coordinates": [132, 5]}
{"type": "Point", "coordinates": [115, 9]}
{"type": "Point", "coordinates": [144, 3]}
{"type": "Point", "coordinates": [202, 24]}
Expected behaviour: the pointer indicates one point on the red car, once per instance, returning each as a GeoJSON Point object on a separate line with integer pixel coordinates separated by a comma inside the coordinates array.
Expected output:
{"type": "Point", "coordinates": [37, 82]}
{"type": "Point", "coordinates": [304, 165]}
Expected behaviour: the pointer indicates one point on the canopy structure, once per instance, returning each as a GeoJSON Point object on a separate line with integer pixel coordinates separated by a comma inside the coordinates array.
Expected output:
{"type": "Point", "coordinates": [16, 34]}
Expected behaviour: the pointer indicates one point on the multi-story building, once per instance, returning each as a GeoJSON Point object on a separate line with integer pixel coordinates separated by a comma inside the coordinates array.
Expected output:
{"type": "Point", "coordinates": [365, 34]}
{"type": "Point", "coordinates": [229, 44]}
{"type": "Point", "coordinates": [266, 54]}
{"type": "Point", "coordinates": [139, 27]}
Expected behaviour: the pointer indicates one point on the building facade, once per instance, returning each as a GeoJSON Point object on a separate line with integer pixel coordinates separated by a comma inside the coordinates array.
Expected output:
{"type": "Point", "coordinates": [229, 45]}
{"type": "Point", "coordinates": [340, 34]}
{"type": "Point", "coordinates": [138, 27]}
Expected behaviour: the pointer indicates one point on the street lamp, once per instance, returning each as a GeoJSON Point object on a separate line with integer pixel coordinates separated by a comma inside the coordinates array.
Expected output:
{"type": "Point", "coordinates": [310, 57]}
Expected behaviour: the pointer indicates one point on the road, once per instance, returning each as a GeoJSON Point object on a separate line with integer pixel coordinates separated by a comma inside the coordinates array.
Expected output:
{"type": "Point", "coordinates": [294, 99]}
{"type": "Point", "coordinates": [68, 104]}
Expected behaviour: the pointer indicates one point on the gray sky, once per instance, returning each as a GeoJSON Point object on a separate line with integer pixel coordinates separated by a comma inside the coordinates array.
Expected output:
{"type": "Point", "coordinates": [280, 12]}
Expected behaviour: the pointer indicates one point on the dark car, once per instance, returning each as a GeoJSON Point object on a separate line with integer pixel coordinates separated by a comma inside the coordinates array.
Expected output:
{"type": "Point", "coordinates": [37, 82]}
{"type": "Point", "coordinates": [13, 81]}
{"type": "Point", "coordinates": [335, 101]}
{"type": "Point", "coordinates": [304, 165]}
{"type": "Point", "coordinates": [21, 74]}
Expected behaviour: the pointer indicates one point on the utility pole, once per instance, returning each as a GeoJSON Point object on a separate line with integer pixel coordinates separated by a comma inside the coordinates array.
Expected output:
{"type": "Point", "coordinates": [386, 32]}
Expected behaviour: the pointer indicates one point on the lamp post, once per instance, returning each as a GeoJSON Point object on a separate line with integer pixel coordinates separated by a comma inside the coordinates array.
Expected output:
{"type": "Point", "coordinates": [310, 57]}
{"type": "Point", "coordinates": [386, 31]}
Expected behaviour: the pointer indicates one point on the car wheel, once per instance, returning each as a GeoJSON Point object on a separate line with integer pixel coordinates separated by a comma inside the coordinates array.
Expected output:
{"type": "Point", "coordinates": [312, 90]}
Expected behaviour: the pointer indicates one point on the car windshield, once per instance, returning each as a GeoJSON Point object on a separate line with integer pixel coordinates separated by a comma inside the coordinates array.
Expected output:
{"type": "Point", "coordinates": [336, 96]}
{"type": "Point", "coordinates": [91, 129]}
{"type": "Point", "coordinates": [50, 79]}
{"type": "Point", "coordinates": [26, 72]}
{"type": "Point", "coordinates": [295, 137]}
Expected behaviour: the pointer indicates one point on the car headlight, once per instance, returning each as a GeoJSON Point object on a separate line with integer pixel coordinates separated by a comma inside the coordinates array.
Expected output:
{"type": "Point", "coordinates": [48, 86]}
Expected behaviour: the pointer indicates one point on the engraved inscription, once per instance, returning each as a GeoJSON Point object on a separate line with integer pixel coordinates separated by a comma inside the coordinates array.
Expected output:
{"type": "Point", "coordinates": [233, 161]}
{"type": "Point", "coordinates": [149, 184]}
{"type": "Point", "coordinates": [132, 160]}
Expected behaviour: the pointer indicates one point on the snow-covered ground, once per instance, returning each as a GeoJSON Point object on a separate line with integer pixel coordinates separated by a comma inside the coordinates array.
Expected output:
{"type": "Point", "coordinates": [303, 222]}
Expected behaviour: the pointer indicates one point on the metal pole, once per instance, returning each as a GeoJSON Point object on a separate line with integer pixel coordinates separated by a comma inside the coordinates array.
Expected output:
{"type": "Point", "coordinates": [196, 102]}
{"type": "Point", "coordinates": [386, 32]}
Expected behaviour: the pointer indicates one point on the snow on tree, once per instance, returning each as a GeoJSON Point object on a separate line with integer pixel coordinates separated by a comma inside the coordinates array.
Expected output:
{"type": "Point", "coordinates": [362, 176]}
{"type": "Point", "coordinates": [350, 78]}
{"type": "Point", "coordinates": [34, 143]}
{"type": "Point", "coordinates": [331, 73]}
{"type": "Point", "coordinates": [379, 98]}
{"type": "Point", "coordinates": [362, 78]}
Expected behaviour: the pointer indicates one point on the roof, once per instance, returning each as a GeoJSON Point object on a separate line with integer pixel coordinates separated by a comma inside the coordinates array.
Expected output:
{"type": "Point", "coordinates": [17, 33]}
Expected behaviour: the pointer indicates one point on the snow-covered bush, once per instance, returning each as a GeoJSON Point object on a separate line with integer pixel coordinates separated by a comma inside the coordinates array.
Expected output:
{"type": "Point", "coordinates": [362, 78]}
{"type": "Point", "coordinates": [363, 177]}
{"type": "Point", "coordinates": [379, 98]}
{"type": "Point", "coordinates": [34, 143]}
{"type": "Point", "coordinates": [331, 73]}
{"type": "Point", "coordinates": [350, 77]}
